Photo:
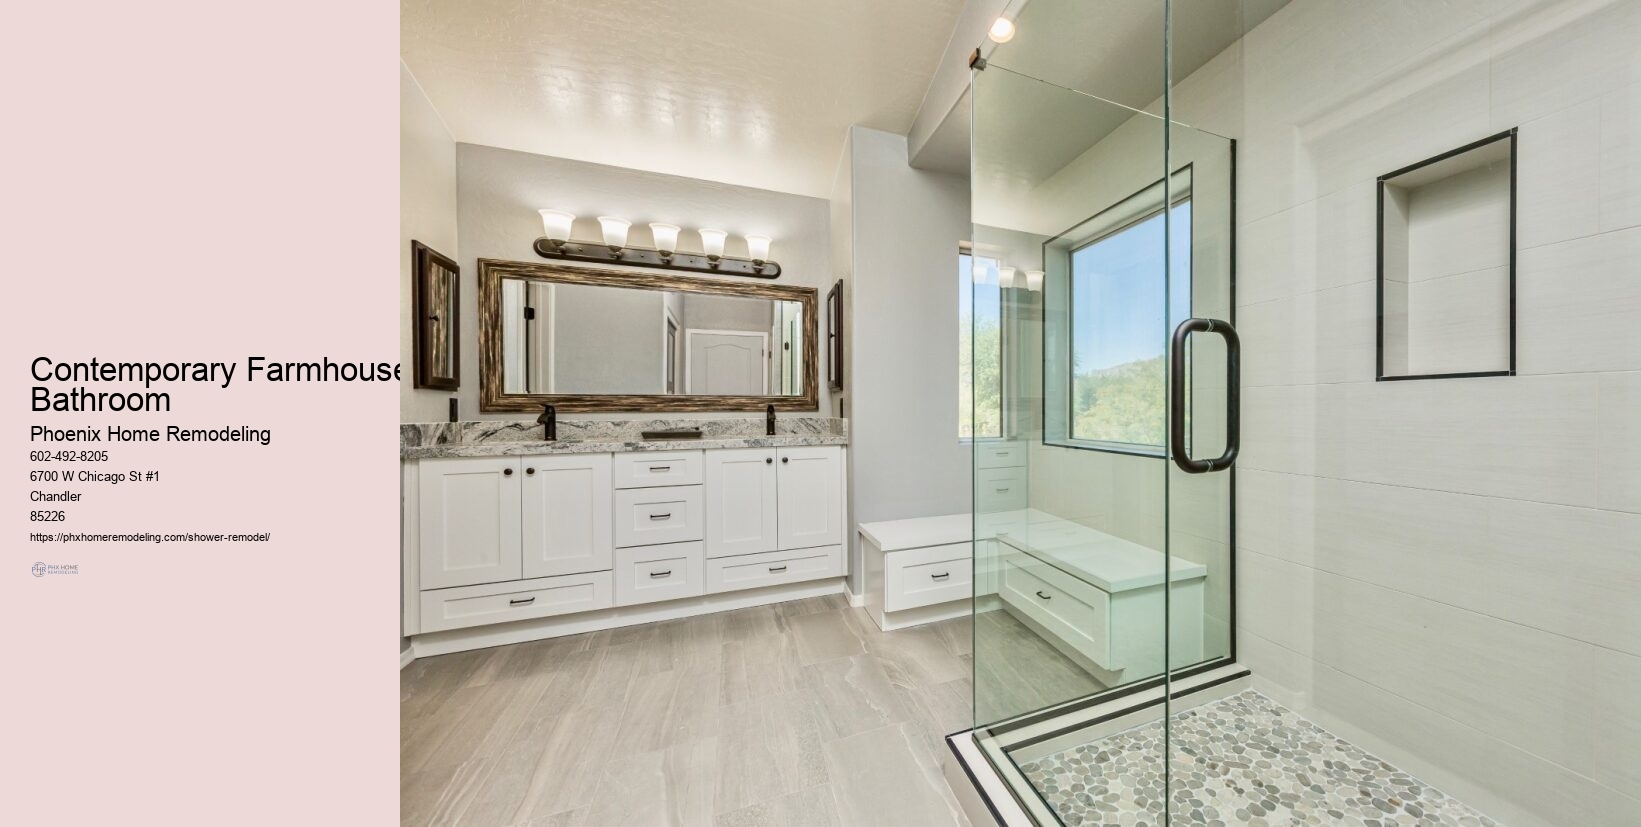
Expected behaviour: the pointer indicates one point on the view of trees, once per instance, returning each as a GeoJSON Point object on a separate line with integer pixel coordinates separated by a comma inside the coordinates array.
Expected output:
{"type": "Point", "coordinates": [1124, 403]}
{"type": "Point", "coordinates": [980, 374]}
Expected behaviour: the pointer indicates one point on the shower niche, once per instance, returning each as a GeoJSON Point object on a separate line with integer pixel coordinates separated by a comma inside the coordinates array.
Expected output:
{"type": "Point", "coordinates": [1447, 264]}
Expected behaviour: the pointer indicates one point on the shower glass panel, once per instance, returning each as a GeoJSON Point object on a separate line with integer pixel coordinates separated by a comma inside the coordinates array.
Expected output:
{"type": "Point", "coordinates": [1101, 568]}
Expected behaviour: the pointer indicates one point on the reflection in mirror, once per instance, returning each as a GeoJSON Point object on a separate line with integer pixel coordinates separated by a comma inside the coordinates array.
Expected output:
{"type": "Point", "coordinates": [563, 338]}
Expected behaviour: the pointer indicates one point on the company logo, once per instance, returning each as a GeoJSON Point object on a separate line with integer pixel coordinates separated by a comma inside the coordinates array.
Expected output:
{"type": "Point", "coordinates": [43, 569]}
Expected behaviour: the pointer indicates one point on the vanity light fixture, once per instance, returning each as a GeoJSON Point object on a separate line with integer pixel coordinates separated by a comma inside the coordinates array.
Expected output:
{"type": "Point", "coordinates": [1005, 277]}
{"type": "Point", "coordinates": [666, 239]}
{"type": "Point", "coordinates": [615, 232]}
{"type": "Point", "coordinates": [557, 224]}
{"type": "Point", "coordinates": [712, 243]}
{"type": "Point", "coordinates": [1002, 30]}
{"type": "Point", "coordinates": [1034, 281]}
{"type": "Point", "coordinates": [557, 244]}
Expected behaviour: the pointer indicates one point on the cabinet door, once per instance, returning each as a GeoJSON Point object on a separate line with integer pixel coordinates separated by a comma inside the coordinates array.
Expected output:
{"type": "Point", "coordinates": [567, 518]}
{"type": "Point", "coordinates": [810, 493]}
{"type": "Point", "coordinates": [469, 521]}
{"type": "Point", "coordinates": [740, 501]}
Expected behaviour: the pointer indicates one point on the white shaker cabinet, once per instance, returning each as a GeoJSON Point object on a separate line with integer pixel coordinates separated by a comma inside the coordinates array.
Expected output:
{"type": "Point", "coordinates": [810, 496]}
{"type": "Point", "coordinates": [470, 530]}
{"type": "Point", "coordinates": [567, 514]}
{"type": "Point", "coordinates": [740, 501]}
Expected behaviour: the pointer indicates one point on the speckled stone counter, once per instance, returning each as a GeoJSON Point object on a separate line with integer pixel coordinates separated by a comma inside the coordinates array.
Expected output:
{"type": "Point", "coordinates": [499, 438]}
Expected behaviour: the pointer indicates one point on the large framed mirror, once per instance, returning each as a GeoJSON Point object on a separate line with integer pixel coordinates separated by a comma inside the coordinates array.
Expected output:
{"type": "Point", "coordinates": [588, 338]}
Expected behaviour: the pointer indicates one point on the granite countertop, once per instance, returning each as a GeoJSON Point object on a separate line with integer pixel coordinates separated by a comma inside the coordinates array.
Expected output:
{"type": "Point", "coordinates": [506, 438]}
{"type": "Point", "coordinates": [610, 446]}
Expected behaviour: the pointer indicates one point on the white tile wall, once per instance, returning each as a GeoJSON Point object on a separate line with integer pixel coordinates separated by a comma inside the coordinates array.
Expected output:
{"type": "Point", "coordinates": [1450, 569]}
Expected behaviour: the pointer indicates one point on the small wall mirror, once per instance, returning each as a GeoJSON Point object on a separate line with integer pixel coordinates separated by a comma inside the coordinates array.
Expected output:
{"type": "Point", "coordinates": [1447, 264]}
{"type": "Point", "coordinates": [435, 299]}
{"type": "Point", "coordinates": [585, 338]}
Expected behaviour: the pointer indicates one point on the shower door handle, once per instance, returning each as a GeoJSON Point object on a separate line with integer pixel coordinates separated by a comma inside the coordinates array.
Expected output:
{"type": "Point", "coordinates": [1233, 395]}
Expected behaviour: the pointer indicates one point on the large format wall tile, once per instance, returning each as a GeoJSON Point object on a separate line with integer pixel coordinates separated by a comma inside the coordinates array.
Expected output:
{"type": "Point", "coordinates": [1619, 462]}
{"type": "Point", "coordinates": [1621, 157]}
{"type": "Point", "coordinates": [1577, 303]}
{"type": "Point", "coordinates": [1558, 176]}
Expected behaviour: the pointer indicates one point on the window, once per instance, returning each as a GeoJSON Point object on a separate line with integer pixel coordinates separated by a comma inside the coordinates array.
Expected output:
{"type": "Point", "coordinates": [979, 349]}
{"type": "Point", "coordinates": [1120, 323]}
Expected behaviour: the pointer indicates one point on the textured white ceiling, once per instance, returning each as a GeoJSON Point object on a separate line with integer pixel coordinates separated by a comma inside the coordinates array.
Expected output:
{"type": "Point", "coordinates": [751, 92]}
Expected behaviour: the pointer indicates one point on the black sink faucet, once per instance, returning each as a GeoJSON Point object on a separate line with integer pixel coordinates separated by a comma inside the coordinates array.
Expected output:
{"type": "Point", "coordinates": [549, 417]}
{"type": "Point", "coordinates": [769, 421]}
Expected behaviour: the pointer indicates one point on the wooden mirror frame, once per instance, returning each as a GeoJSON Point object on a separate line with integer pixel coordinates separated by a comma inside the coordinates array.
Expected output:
{"type": "Point", "coordinates": [423, 260]}
{"type": "Point", "coordinates": [493, 400]}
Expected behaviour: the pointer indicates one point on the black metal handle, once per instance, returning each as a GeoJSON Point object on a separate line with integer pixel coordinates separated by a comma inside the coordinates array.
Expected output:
{"type": "Point", "coordinates": [941, 576]}
{"type": "Point", "coordinates": [786, 459]}
{"type": "Point", "coordinates": [654, 468]}
{"type": "Point", "coordinates": [1044, 596]}
{"type": "Point", "coordinates": [665, 516]}
{"type": "Point", "coordinates": [776, 569]}
{"type": "Point", "coordinates": [769, 460]}
{"type": "Point", "coordinates": [530, 471]}
{"type": "Point", "coordinates": [522, 601]}
{"type": "Point", "coordinates": [1233, 395]}
{"type": "Point", "coordinates": [507, 472]}
{"type": "Point", "coordinates": [667, 573]}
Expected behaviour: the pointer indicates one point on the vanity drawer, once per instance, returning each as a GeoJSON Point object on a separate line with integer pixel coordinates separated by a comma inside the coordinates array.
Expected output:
{"type": "Point", "coordinates": [1077, 614]}
{"type": "Point", "coordinates": [466, 606]}
{"type": "Point", "coordinates": [927, 576]}
{"type": "Point", "coordinates": [647, 574]}
{"type": "Point", "coordinates": [773, 568]}
{"type": "Point", "coordinates": [1000, 455]}
{"type": "Point", "coordinates": [651, 516]}
{"type": "Point", "coordinates": [645, 469]}
{"type": "Point", "coordinates": [1001, 489]}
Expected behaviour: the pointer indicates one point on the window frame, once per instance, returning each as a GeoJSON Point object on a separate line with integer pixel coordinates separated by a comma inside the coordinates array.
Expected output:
{"type": "Point", "coordinates": [1186, 194]}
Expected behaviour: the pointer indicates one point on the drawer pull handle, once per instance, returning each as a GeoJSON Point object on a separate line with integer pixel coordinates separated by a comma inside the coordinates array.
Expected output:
{"type": "Point", "coordinates": [1002, 490]}
{"type": "Point", "coordinates": [665, 516]}
{"type": "Point", "coordinates": [660, 574]}
{"type": "Point", "coordinates": [659, 468]}
{"type": "Point", "coordinates": [1044, 596]}
{"type": "Point", "coordinates": [941, 576]}
{"type": "Point", "coordinates": [522, 601]}
{"type": "Point", "coordinates": [776, 569]}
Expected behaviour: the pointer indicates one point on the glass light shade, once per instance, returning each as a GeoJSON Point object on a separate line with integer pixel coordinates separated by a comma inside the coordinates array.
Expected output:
{"type": "Point", "coordinates": [1002, 30]}
{"type": "Point", "coordinates": [1034, 281]}
{"type": "Point", "coordinates": [979, 272]}
{"type": "Point", "coordinates": [712, 242]}
{"type": "Point", "coordinates": [615, 230]}
{"type": "Point", "coordinates": [557, 224]}
{"type": "Point", "coordinates": [666, 237]}
{"type": "Point", "coordinates": [757, 247]}
{"type": "Point", "coordinates": [1005, 277]}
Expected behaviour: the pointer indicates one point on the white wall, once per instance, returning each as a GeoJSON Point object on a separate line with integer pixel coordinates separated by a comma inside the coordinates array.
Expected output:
{"type": "Point", "coordinates": [427, 213]}
{"type": "Point", "coordinates": [1448, 570]}
{"type": "Point", "coordinates": [905, 455]}
{"type": "Point", "coordinates": [499, 192]}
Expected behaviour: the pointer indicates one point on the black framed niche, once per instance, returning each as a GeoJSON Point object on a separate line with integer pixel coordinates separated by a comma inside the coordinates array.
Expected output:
{"type": "Point", "coordinates": [435, 301]}
{"type": "Point", "coordinates": [1447, 264]}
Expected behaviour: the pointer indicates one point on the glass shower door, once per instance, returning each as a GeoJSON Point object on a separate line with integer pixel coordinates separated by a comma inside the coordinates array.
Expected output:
{"type": "Point", "coordinates": [1102, 565]}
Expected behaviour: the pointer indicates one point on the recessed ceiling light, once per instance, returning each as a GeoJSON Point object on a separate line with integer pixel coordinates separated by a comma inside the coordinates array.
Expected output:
{"type": "Point", "coordinates": [1002, 30]}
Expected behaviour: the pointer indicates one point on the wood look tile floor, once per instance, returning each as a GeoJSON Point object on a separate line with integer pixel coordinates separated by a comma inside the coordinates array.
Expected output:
{"type": "Point", "coordinates": [798, 713]}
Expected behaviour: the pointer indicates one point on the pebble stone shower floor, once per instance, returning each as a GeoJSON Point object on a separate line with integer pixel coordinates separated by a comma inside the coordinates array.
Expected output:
{"type": "Point", "coordinates": [1241, 760]}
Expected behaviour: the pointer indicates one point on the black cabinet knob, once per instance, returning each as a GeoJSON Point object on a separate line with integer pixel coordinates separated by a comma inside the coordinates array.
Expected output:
{"type": "Point", "coordinates": [530, 471]}
{"type": "Point", "coordinates": [769, 460]}
{"type": "Point", "coordinates": [786, 459]}
{"type": "Point", "coordinates": [507, 472]}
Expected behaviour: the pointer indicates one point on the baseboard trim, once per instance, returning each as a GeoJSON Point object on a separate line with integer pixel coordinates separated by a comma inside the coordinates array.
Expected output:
{"type": "Point", "coordinates": [522, 631]}
{"type": "Point", "coordinates": [407, 656]}
{"type": "Point", "coordinates": [857, 600]}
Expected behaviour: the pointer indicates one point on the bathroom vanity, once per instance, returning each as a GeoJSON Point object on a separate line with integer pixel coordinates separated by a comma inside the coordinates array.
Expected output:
{"type": "Point", "coordinates": [517, 540]}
